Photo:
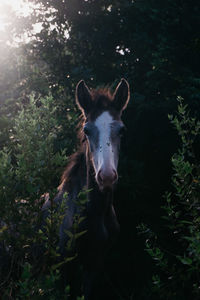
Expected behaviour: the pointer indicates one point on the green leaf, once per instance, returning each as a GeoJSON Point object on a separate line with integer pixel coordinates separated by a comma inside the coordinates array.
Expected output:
{"type": "Point", "coordinates": [68, 259]}
{"type": "Point", "coordinates": [185, 260]}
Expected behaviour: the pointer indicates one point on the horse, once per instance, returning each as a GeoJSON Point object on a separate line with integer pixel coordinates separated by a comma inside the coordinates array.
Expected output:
{"type": "Point", "coordinates": [94, 167]}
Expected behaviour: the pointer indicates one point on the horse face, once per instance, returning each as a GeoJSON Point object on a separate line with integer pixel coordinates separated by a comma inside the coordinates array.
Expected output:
{"type": "Point", "coordinates": [103, 128]}
{"type": "Point", "coordinates": [103, 136]}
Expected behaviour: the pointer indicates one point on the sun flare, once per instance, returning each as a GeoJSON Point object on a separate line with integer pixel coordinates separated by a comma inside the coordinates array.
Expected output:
{"type": "Point", "coordinates": [6, 6]}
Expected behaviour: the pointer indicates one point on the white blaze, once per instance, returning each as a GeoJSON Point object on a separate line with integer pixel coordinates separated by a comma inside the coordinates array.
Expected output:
{"type": "Point", "coordinates": [104, 156]}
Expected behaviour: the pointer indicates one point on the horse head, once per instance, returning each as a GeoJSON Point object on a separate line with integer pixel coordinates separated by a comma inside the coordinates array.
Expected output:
{"type": "Point", "coordinates": [103, 128]}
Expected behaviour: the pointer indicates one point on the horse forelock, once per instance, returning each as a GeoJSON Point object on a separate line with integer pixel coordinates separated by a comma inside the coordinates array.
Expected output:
{"type": "Point", "coordinates": [102, 100]}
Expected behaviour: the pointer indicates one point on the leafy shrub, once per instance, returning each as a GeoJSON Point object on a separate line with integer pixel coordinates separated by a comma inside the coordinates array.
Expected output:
{"type": "Point", "coordinates": [178, 264]}
{"type": "Point", "coordinates": [29, 172]}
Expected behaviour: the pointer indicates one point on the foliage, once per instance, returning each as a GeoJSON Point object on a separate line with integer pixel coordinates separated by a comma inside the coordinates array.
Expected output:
{"type": "Point", "coordinates": [178, 263]}
{"type": "Point", "coordinates": [29, 173]}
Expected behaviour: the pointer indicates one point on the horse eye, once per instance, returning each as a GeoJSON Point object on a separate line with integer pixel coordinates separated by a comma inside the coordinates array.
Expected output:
{"type": "Point", "coordinates": [122, 131]}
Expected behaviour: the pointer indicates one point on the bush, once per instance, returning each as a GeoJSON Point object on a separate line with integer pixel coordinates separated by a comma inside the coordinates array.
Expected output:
{"type": "Point", "coordinates": [178, 263]}
{"type": "Point", "coordinates": [29, 173]}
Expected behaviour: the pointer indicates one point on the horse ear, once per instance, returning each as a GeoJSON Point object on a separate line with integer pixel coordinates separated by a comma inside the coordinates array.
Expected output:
{"type": "Point", "coordinates": [121, 95]}
{"type": "Point", "coordinates": [83, 97]}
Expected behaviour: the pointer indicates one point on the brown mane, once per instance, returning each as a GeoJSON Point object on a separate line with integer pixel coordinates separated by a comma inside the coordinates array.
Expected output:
{"type": "Point", "coordinates": [72, 170]}
{"type": "Point", "coordinates": [101, 96]}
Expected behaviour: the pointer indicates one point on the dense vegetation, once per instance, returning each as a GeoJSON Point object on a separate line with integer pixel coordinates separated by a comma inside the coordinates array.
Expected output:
{"type": "Point", "coordinates": [155, 45]}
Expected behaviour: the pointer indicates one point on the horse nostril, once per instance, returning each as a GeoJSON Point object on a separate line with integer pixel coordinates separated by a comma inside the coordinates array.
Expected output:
{"type": "Point", "coordinates": [114, 176]}
{"type": "Point", "coordinates": [99, 177]}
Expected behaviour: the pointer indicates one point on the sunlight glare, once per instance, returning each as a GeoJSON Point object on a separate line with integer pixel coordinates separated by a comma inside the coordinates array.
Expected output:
{"type": "Point", "coordinates": [6, 6]}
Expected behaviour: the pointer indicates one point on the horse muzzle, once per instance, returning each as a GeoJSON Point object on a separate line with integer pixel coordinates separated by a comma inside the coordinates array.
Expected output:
{"type": "Point", "coordinates": [106, 179]}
